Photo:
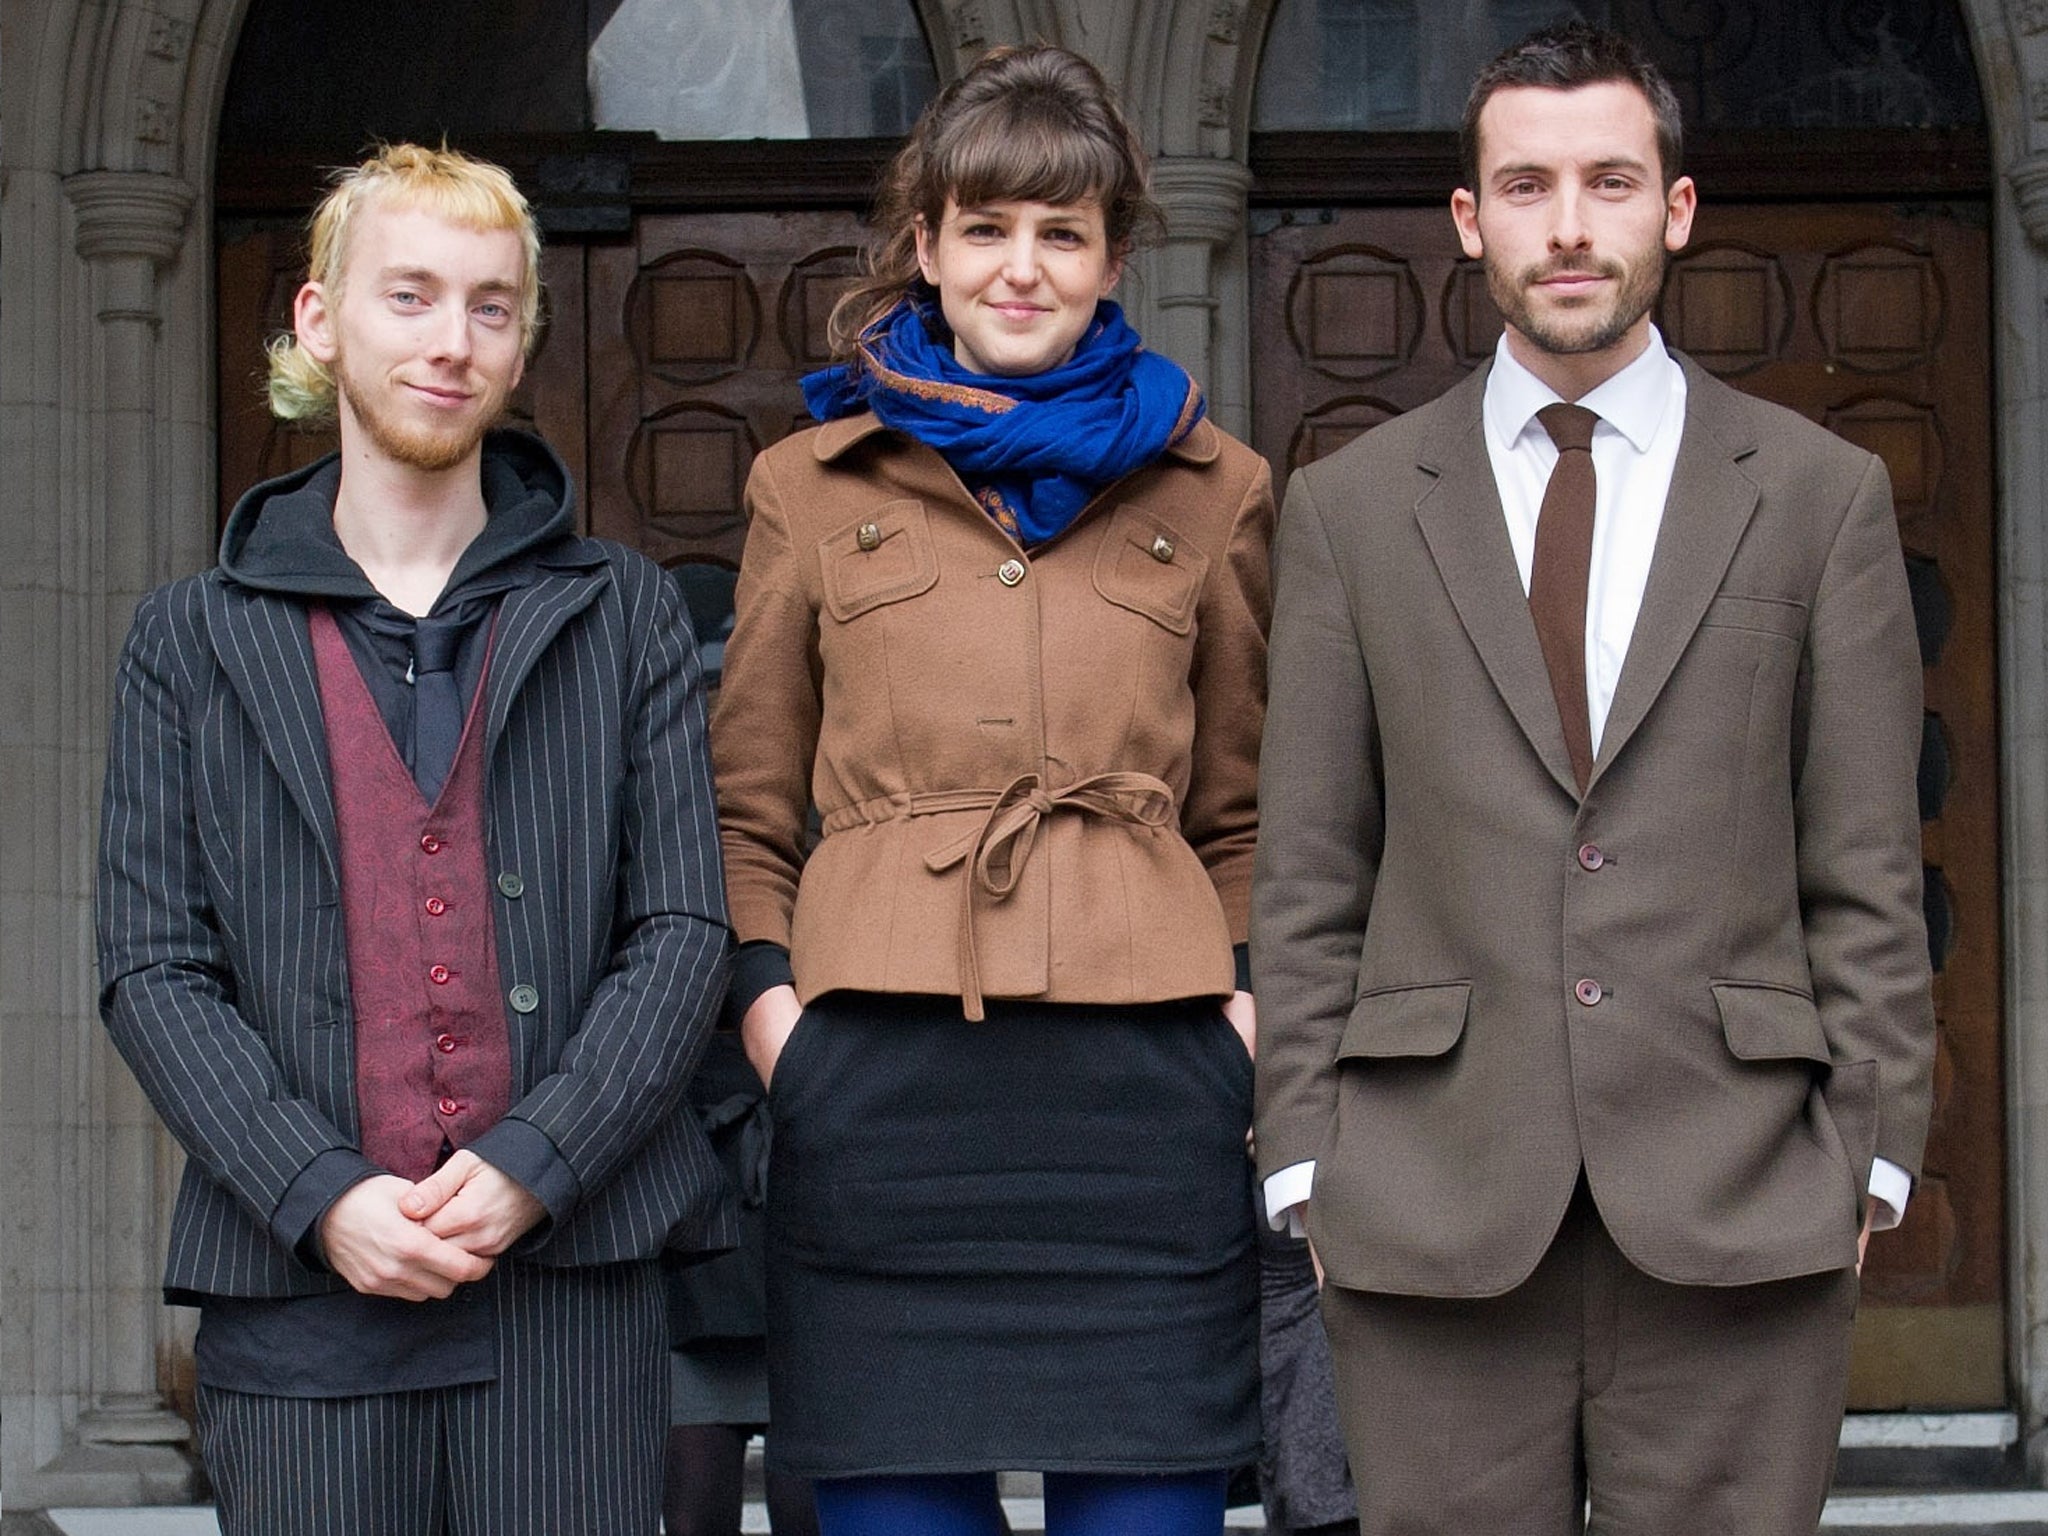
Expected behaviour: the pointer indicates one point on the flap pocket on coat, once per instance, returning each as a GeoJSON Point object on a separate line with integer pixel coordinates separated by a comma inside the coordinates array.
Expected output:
{"type": "Point", "coordinates": [1765, 615]}
{"type": "Point", "coordinates": [1146, 566]}
{"type": "Point", "coordinates": [883, 557]}
{"type": "Point", "coordinates": [1770, 1023]}
{"type": "Point", "coordinates": [1406, 1021]}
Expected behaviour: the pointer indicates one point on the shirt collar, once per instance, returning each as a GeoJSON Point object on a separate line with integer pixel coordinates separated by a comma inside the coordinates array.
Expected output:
{"type": "Point", "coordinates": [1632, 401]}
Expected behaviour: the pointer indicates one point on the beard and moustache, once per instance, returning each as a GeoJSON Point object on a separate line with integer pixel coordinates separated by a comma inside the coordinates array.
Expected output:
{"type": "Point", "coordinates": [423, 445]}
{"type": "Point", "coordinates": [1574, 331]}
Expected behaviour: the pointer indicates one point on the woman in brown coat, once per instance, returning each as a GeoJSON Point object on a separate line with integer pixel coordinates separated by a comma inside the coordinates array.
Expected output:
{"type": "Point", "coordinates": [1001, 623]}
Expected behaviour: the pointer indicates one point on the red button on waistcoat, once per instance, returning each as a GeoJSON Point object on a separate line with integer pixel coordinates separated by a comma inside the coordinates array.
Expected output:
{"type": "Point", "coordinates": [444, 1043]}
{"type": "Point", "coordinates": [439, 975]}
{"type": "Point", "coordinates": [1590, 857]}
{"type": "Point", "coordinates": [436, 906]}
{"type": "Point", "coordinates": [1588, 991]}
{"type": "Point", "coordinates": [430, 843]}
{"type": "Point", "coordinates": [450, 1107]}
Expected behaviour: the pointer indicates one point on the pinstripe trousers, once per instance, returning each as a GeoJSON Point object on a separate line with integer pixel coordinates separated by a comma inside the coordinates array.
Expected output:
{"type": "Point", "coordinates": [566, 1442]}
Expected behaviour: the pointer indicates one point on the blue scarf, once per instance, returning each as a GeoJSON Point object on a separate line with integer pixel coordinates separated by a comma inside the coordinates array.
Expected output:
{"type": "Point", "coordinates": [1035, 449]}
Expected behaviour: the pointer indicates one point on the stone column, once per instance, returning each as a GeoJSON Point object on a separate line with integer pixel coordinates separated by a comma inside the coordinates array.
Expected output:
{"type": "Point", "coordinates": [2020, 238]}
{"type": "Point", "coordinates": [1204, 199]}
{"type": "Point", "coordinates": [126, 1446]}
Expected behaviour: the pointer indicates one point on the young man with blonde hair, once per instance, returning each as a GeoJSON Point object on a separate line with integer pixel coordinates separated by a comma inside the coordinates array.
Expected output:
{"type": "Point", "coordinates": [411, 921]}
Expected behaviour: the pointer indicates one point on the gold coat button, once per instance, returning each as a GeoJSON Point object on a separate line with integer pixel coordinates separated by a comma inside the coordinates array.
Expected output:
{"type": "Point", "coordinates": [1162, 549]}
{"type": "Point", "coordinates": [1010, 572]}
{"type": "Point", "coordinates": [869, 536]}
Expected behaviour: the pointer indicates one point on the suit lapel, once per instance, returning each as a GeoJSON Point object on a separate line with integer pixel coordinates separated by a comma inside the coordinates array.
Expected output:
{"type": "Point", "coordinates": [1462, 522]}
{"type": "Point", "coordinates": [1709, 505]}
{"type": "Point", "coordinates": [528, 621]}
{"type": "Point", "coordinates": [267, 653]}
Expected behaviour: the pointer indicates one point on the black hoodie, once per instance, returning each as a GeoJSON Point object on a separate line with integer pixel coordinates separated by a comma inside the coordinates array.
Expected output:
{"type": "Point", "coordinates": [280, 539]}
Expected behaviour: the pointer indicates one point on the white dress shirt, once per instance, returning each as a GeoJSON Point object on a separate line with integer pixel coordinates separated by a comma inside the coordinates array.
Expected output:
{"type": "Point", "coordinates": [1635, 448]}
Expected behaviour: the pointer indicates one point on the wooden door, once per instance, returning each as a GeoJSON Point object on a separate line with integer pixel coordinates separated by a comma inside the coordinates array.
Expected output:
{"type": "Point", "coordinates": [1873, 320]}
{"type": "Point", "coordinates": [699, 329]}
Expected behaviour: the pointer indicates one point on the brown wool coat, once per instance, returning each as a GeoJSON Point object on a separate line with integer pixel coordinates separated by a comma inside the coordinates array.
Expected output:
{"type": "Point", "coordinates": [1035, 772]}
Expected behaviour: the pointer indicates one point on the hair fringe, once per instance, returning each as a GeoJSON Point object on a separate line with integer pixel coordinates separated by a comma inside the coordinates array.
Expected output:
{"type": "Point", "coordinates": [1035, 124]}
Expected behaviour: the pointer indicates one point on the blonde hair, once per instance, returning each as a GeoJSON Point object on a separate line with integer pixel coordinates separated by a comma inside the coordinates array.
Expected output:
{"type": "Point", "coordinates": [444, 182]}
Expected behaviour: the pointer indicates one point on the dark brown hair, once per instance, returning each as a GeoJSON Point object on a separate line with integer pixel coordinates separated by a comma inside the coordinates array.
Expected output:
{"type": "Point", "coordinates": [1562, 58]}
{"type": "Point", "coordinates": [1036, 125]}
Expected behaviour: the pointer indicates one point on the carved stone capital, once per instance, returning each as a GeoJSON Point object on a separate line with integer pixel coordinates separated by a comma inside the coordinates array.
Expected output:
{"type": "Point", "coordinates": [1203, 197]}
{"type": "Point", "coordinates": [129, 213]}
{"type": "Point", "coordinates": [2029, 178]}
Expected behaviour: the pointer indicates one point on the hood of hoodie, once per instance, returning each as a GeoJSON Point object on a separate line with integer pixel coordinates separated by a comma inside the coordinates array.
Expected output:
{"type": "Point", "coordinates": [280, 537]}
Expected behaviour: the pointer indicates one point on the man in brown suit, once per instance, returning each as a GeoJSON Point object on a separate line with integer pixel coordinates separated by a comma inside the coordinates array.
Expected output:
{"type": "Point", "coordinates": [1594, 990]}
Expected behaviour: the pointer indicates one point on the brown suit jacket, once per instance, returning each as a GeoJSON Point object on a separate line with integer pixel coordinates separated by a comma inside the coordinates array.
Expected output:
{"type": "Point", "coordinates": [1741, 879]}
{"type": "Point", "coordinates": [897, 661]}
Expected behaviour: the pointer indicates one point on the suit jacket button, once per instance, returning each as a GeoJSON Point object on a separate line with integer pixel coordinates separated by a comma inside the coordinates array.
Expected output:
{"type": "Point", "coordinates": [524, 999]}
{"type": "Point", "coordinates": [1590, 857]}
{"type": "Point", "coordinates": [439, 975]}
{"type": "Point", "coordinates": [1010, 572]}
{"type": "Point", "coordinates": [511, 885]}
{"type": "Point", "coordinates": [1588, 991]}
{"type": "Point", "coordinates": [869, 536]}
{"type": "Point", "coordinates": [430, 843]}
{"type": "Point", "coordinates": [450, 1107]}
{"type": "Point", "coordinates": [1162, 549]}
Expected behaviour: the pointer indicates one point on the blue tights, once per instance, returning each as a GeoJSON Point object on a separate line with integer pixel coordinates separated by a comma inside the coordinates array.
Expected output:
{"type": "Point", "coordinates": [1076, 1504]}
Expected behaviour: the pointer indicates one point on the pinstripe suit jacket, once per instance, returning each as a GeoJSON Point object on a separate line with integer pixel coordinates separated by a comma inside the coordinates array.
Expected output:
{"type": "Point", "coordinates": [224, 976]}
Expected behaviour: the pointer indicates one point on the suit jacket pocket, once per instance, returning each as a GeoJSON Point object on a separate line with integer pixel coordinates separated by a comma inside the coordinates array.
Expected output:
{"type": "Point", "coordinates": [1763, 1023]}
{"type": "Point", "coordinates": [1145, 566]}
{"type": "Point", "coordinates": [1406, 1021]}
{"type": "Point", "coordinates": [883, 557]}
{"type": "Point", "coordinates": [1763, 615]}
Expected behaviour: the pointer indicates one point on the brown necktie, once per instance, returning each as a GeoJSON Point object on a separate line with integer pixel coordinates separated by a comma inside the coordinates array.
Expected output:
{"type": "Point", "coordinates": [1557, 576]}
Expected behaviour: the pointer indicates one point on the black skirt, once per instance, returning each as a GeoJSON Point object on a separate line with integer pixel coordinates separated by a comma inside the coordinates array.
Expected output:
{"type": "Point", "coordinates": [1020, 1243]}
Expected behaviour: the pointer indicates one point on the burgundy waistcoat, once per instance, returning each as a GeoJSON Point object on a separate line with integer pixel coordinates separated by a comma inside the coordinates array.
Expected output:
{"type": "Point", "coordinates": [433, 1055]}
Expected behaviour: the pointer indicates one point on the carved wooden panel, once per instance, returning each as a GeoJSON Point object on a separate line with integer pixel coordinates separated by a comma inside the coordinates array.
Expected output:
{"type": "Point", "coordinates": [699, 328]}
{"type": "Point", "coordinates": [1879, 306]}
{"type": "Point", "coordinates": [1355, 312]}
{"type": "Point", "coordinates": [1728, 306]}
{"type": "Point", "coordinates": [1907, 435]}
{"type": "Point", "coordinates": [1875, 321]}
{"type": "Point", "coordinates": [1334, 423]}
{"type": "Point", "coordinates": [1471, 321]}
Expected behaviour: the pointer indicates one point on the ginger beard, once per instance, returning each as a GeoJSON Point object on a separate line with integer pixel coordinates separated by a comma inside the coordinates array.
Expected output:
{"type": "Point", "coordinates": [420, 442]}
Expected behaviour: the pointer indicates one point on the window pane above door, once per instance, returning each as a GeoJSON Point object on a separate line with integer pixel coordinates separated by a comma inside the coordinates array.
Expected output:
{"type": "Point", "coordinates": [1375, 65]}
{"type": "Point", "coordinates": [759, 69]}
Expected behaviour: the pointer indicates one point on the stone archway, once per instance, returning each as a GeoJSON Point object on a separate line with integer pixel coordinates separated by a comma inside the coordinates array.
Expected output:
{"type": "Point", "coordinates": [107, 336]}
{"type": "Point", "coordinates": [2011, 41]}
{"type": "Point", "coordinates": [106, 402]}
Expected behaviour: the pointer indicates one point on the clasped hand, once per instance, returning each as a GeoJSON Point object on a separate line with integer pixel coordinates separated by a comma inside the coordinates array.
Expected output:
{"type": "Point", "coordinates": [388, 1236]}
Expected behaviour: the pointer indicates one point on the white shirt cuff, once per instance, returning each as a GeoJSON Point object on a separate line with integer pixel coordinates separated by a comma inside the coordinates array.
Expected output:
{"type": "Point", "coordinates": [1286, 1193]}
{"type": "Point", "coordinates": [1288, 1190]}
{"type": "Point", "coordinates": [1890, 1187]}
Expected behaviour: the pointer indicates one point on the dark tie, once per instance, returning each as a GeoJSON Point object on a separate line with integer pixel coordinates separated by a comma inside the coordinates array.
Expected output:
{"type": "Point", "coordinates": [437, 703]}
{"type": "Point", "coordinates": [1557, 576]}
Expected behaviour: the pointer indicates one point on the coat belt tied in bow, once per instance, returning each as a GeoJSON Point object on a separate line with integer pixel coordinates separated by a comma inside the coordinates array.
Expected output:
{"type": "Point", "coordinates": [996, 851]}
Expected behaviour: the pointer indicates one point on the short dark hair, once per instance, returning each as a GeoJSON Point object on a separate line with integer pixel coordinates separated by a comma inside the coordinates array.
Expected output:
{"type": "Point", "coordinates": [1562, 58]}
